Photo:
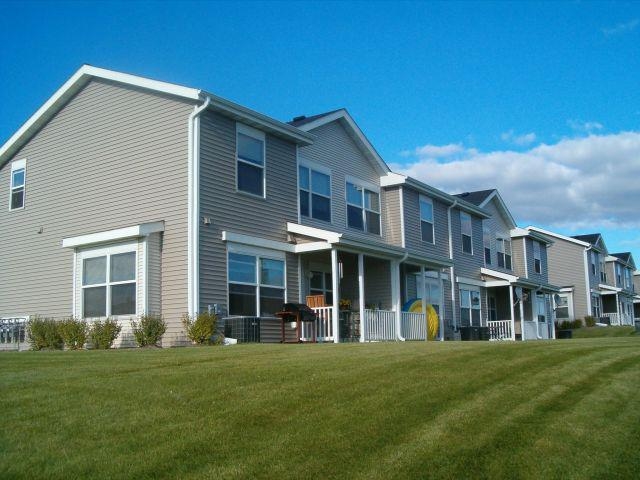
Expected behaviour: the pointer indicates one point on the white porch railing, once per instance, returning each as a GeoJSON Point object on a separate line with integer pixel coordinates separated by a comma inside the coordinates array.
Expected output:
{"type": "Point", "coordinates": [614, 318]}
{"type": "Point", "coordinates": [500, 330]}
{"type": "Point", "coordinates": [380, 325]}
{"type": "Point", "coordinates": [627, 319]}
{"type": "Point", "coordinates": [413, 326]}
{"type": "Point", "coordinates": [324, 325]}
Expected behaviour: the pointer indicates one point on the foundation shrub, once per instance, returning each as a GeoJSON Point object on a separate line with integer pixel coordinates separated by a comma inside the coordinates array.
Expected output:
{"type": "Point", "coordinates": [104, 333]}
{"type": "Point", "coordinates": [590, 321]}
{"type": "Point", "coordinates": [148, 330]}
{"type": "Point", "coordinates": [201, 328]}
{"type": "Point", "coordinates": [44, 334]}
{"type": "Point", "coordinates": [74, 333]}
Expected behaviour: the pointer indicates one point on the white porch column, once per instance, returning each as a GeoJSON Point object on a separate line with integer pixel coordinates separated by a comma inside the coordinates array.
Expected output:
{"type": "Point", "coordinates": [335, 285]}
{"type": "Point", "coordinates": [521, 305]}
{"type": "Point", "coordinates": [513, 314]}
{"type": "Point", "coordinates": [363, 335]}
{"type": "Point", "coordinates": [552, 316]}
{"type": "Point", "coordinates": [423, 296]}
{"type": "Point", "coordinates": [442, 309]}
{"type": "Point", "coordinates": [395, 296]}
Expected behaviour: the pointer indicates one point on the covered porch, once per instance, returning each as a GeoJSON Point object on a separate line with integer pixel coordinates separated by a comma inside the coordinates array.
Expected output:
{"type": "Point", "coordinates": [518, 309]}
{"type": "Point", "coordinates": [357, 289]}
{"type": "Point", "coordinates": [617, 308]}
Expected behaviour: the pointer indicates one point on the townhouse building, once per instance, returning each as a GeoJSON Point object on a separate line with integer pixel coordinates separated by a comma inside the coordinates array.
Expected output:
{"type": "Point", "coordinates": [130, 196]}
{"type": "Point", "coordinates": [619, 273]}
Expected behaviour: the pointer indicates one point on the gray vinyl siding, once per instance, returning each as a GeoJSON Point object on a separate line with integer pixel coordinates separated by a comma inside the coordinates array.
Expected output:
{"type": "Point", "coordinates": [499, 228]}
{"type": "Point", "coordinates": [377, 283]}
{"type": "Point", "coordinates": [413, 232]}
{"type": "Point", "coordinates": [334, 149]}
{"type": "Point", "coordinates": [392, 215]}
{"type": "Point", "coordinates": [154, 261]}
{"type": "Point", "coordinates": [113, 157]}
{"type": "Point", "coordinates": [542, 277]}
{"type": "Point", "coordinates": [517, 249]}
{"type": "Point", "coordinates": [566, 269]}
{"type": "Point", "coordinates": [237, 212]}
{"type": "Point", "coordinates": [467, 265]}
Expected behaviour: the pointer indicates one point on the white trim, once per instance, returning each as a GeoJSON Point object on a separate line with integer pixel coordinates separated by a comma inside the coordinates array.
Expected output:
{"type": "Point", "coordinates": [311, 247]}
{"type": "Point", "coordinates": [298, 183]}
{"type": "Point", "coordinates": [362, 183]}
{"type": "Point", "coordinates": [15, 166]}
{"type": "Point", "coordinates": [587, 277]}
{"type": "Point", "coordinates": [526, 263]}
{"type": "Point", "coordinates": [469, 282]}
{"type": "Point", "coordinates": [249, 240]}
{"type": "Point", "coordinates": [311, 167]}
{"type": "Point", "coordinates": [18, 164]}
{"type": "Point", "coordinates": [425, 199]}
{"type": "Point", "coordinates": [403, 242]}
{"type": "Point", "coordinates": [495, 273]}
{"type": "Point", "coordinates": [497, 283]}
{"type": "Point", "coordinates": [327, 235]}
{"type": "Point", "coordinates": [250, 131]}
{"type": "Point", "coordinates": [145, 269]}
{"type": "Point", "coordinates": [74, 313]}
{"type": "Point", "coordinates": [557, 235]}
{"type": "Point", "coordinates": [259, 135]}
{"type": "Point", "coordinates": [141, 230]}
{"type": "Point", "coordinates": [462, 234]}
{"type": "Point", "coordinates": [392, 179]}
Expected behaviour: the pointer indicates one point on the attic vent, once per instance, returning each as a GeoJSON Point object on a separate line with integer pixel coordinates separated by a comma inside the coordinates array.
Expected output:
{"type": "Point", "coordinates": [301, 117]}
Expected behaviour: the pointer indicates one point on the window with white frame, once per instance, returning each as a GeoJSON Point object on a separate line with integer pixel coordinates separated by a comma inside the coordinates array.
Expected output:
{"type": "Point", "coordinates": [594, 261]}
{"type": "Point", "coordinates": [315, 193]}
{"type": "Point", "coordinates": [563, 306]}
{"type": "Point", "coordinates": [603, 271]}
{"type": "Point", "coordinates": [363, 208]}
{"type": "Point", "coordinates": [109, 282]}
{"type": "Point", "coordinates": [250, 164]}
{"type": "Point", "coordinates": [595, 306]}
{"type": "Point", "coordinates": [537, 258]}
{"type": "Point", "coordinates": [466, 232]}
{"type": "Point", "coordinates": [469, 307]}
{"type": "Point", "coordinates": [320, 284]}
{"type": "Point", "coordinates": [504, 253]}
{"type": "Point", "coordinates": [486, 241]}
{"type": "Point", "coordinates": [627, 279]}
{"type": "Point", "coordinates": [426, 219]}
{"type": "Point", "coordinates": [618, 269]}
{"type": "Point", "coordinates": [256, 284]}
{"type": "Point", "coordinates": [18, 182]}
{"type": "Point", "coordinates": [433, 291]}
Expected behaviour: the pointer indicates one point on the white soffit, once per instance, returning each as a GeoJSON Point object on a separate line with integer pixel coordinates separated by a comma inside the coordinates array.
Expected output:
{"type": "Point", "coordinates": [134, 231]}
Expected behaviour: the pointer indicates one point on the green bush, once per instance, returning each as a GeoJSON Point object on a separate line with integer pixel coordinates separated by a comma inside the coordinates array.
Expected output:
{"type": "Point", "coordinates": [43, 333]}
{"type": "Point", "coordinates": [590, 321]}
{"type": "Point", "coordinates": [73, 332]}
{"type": "Point", "coordinates": [103, 334]}
{"type": "Point", "coordinates": [570, 325]}
{"type": "Point", "coordinates": [201, 328]}
{"type": "Point", "coordinates": [149, 329]}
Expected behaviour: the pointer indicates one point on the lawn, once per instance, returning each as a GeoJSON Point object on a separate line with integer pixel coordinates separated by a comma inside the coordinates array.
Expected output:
{"type": "Point", "coordinates": [563, 409]}
{"type": "Point", "coordinates": [593, 332]}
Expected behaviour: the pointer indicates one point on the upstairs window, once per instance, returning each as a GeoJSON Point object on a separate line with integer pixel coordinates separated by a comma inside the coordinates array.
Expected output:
{"type": "Point", "coordinates": [618, 275]}
{"type": "Point", "coordinates": [603, 271]}
{"type": "Point", "coordinates": [594, 261]}
{"type": "Point", "coordinates": [363, 208]}
{"type": "Point", "coordinates": [627, 279]}
{"type": "Point", "coordinates": [250, 176]}
{"type": "Point", "coordinates": [17, 187]}
{"type": "Point", "coordinates": [465, 229]}
{"type": "Point", "coordinates": [486, 241]}
{"type": "Point", "coordinates": [315, 193]}
{"type": "Point", "coordinates": [504, 253]}
{"type": "Point", "coordinates": [537, 259]}
{"type": "Point", "coordinates": [426, 219]}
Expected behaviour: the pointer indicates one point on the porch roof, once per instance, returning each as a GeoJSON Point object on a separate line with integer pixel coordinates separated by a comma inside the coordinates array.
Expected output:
{"type": "Point", "coordinates": [504, 279]}
{"type": "Point", "coordinates": [608, 289]}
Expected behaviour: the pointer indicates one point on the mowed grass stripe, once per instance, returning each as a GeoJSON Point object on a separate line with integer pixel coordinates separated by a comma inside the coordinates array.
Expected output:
{"type": "Point", "coordinates": [455, 410]}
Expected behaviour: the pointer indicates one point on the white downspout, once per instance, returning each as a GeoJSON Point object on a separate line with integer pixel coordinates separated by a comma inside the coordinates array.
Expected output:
{"type": "Point", "coordinates": [538, 323]}
{"type": "Point", "coordinates": [193, 222]}
{"type": "Point", "coordinates": [451, 271]}
{"type": "Point", "coordinates": [587, 279]}
{"type": "Point", "coordinates": [395, 293]}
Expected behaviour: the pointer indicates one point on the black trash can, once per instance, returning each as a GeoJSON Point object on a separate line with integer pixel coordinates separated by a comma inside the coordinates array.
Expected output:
{"type": "Point", "coordinates": [564, 334]}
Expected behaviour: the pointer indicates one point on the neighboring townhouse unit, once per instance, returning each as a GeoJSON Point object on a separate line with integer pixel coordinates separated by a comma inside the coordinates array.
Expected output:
{"type": "Point", "coordinates": [636, 297]}
{"type": "Point", "coordinates": [619, 273]}
{"type": "Point", "coordinates": [507, 274]}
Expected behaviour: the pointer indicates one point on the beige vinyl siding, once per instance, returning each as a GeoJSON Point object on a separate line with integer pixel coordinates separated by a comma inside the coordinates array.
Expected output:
{"type": "Point", "coordinates": [517, 249]}
{"type": "Point", "coordinates": [566, 269]}
{"type": "Point", "coordinates": [334, 149]}
{"type": "Point", "coordinates": [111, 158]}
{"type": "Point", "coordinates": [413, 233]}
{"type": "Point", "coordinates": [154, 272]}
{"type": "Point", "coordinates": [238, 212]}
{"type": "Point", "coordinates": [392, 215]}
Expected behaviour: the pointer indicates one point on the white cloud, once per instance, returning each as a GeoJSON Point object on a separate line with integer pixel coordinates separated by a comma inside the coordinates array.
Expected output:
{"type": "Point", "coordinates": [589, 182]}
{"type": "Point", "coordinates": [521, 140]}
{"type": "Point", "coordinates": [584, 127]}
{"type": "Point", "coordinates": [621, 28]}
{"type": "Point", "coordinates": [438, 151]}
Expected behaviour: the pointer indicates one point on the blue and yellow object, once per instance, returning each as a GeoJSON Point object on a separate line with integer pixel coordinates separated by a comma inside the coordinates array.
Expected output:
{"type": "Point", "coordinates": [433, 322]}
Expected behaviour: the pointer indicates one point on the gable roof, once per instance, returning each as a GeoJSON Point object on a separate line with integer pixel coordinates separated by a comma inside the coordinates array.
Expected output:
{"type": "Point", "coordinates": [558, 236]}
{"type": "Point", "coordinates": [87, 72]}
{"type": "Point", "coordinates": [595, 239]}
{"type": "Point", "coordinates": [481, 198]}
{"type": "Point", "coordinates": [341, 115]}
{"type": "Point", "coordinates": [625, 257]}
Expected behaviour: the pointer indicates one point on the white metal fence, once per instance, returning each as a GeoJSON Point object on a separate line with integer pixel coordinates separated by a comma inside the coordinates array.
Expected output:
{"type": "Point", "coordinates": [379, 325]}
{"type": "Point", "coordinates": [324, 325]}
{"type": "Point", "coordinates": [500, 330]}
{"type": "Point", "coordinates": [413, 326]}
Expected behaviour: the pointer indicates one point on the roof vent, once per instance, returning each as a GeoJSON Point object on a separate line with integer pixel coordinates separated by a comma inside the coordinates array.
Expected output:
{"type": "Point", "coordinates": [297, 119]}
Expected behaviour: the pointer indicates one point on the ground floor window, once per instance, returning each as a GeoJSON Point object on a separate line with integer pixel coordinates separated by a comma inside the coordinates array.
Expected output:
{"type": "Point", "coordinates": [469, 307]}
{"type": "Point", "coordinates": [541, 308]}
{"type": "Point", "coordinates": [562, 306]}
{"type": "Point", "coordinates": [320, 283]}
{"type": "Point", "coordinates": [109, 281]}
{"type": "Point", "coordinates": [595, 306]}
{"type": "Point", "coordinates": [256, 284]}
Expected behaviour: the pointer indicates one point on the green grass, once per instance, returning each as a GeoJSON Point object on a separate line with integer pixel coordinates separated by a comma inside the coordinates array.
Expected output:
{"type": "Point", "coordinates": [596, 332]}
{"type": "Point", "coordinates": [564, 409]}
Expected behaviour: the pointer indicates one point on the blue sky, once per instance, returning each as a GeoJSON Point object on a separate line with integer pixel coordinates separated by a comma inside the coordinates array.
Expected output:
{"type": "Point", "coordinates": [541, 100]}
